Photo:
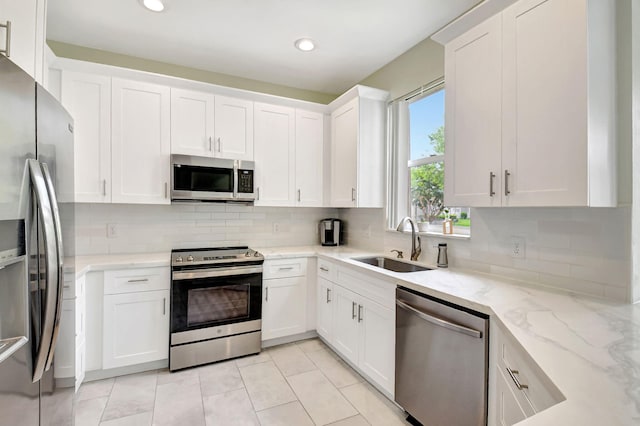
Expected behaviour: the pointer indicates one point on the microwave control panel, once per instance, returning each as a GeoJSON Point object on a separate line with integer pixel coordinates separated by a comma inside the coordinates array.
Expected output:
{"type": "Point", "coordinates": [245, 181]}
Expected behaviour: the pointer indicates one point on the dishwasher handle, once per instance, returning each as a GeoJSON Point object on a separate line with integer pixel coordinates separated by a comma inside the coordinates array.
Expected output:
{"type": "Point", "coordinates": [439, 321]}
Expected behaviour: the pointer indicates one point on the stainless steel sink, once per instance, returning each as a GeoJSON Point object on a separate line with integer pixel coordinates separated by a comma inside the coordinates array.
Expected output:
{"type": "Point", "coordinates": [392, 264]}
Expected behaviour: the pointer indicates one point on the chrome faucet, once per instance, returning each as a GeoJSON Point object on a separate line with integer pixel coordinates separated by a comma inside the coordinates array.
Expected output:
{"type": "Point", "coordinates": [416, 247]}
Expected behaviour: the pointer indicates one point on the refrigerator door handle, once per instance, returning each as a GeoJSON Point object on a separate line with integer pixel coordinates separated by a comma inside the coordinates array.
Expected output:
{"type": "Point", "coordinates": [60, 259]}
{"type": "Point", "coordinates": [49, 235]}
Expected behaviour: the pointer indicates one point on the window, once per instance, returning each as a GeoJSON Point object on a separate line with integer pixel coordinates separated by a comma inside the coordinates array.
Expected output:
{"type": "Point", "coordinates": [417, 163]}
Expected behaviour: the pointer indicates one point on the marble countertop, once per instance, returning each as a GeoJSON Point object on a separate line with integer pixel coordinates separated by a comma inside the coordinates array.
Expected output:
{"type": "Point", "coordinates": [589, 348]}
{"type": "Point", "coordinates": [83, 264]}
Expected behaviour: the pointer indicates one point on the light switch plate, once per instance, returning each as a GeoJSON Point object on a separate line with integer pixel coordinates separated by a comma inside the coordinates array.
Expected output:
{"type": "Point", "coordinates": [112, 230]}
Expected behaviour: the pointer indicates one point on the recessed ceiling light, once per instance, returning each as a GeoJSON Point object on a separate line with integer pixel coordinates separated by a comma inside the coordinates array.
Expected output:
{"type": "Point", "coordinates": [153, 5]}
{"type": "Point", "coordinates": [305, 44]}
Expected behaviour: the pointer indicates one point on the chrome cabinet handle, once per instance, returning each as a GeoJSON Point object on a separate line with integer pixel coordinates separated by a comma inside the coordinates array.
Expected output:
{"type": "Point", "coordinates": [322, 268]}
{"type": "Point", "coordinates": [219, 141]}
{"type": "Point", "coordinates": [513, 374]}
{"type": "Point", "coordinates": [257, 193]}
{"type": "Point", "coordinates": [164, 306]}
{"type": "Point", "coordinates": [439, 321]}
{"type": "Point", "coordinates": [491, 177]}
{"type": "Point", "coordinates": [353, 310]}
{"type": "Point", "coordinates": [7, 46]}
{"type": "Point", "coordinates": [328, 295]}
{"type": "Point", "coordinates": [139, 280]}
{"type": "Point", "coordinates": [166, 190]}
{"type": "Point", "coordinates": [506, 182]}
{"type": "Point", "coordinates": [266, 297]}
{"type": "Point", "coordinates": [288, 268]}
{"type": "Point", "coordinates": [298, 195]}
{"type": "Point", "coordinates": [66, 286]}
{"type": "Point", "coordinates": [104, 187]}
{"type": "Point", "coordinates": [359, 313]}
{"type": "Point", "coordinates": [210, 143]}
{"type": "Point", "coordinates": [353, 194]}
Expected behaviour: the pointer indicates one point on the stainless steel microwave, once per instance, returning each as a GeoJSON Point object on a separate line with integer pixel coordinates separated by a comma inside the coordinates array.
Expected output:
{"type": "Point", "coordinates": [196, 178]}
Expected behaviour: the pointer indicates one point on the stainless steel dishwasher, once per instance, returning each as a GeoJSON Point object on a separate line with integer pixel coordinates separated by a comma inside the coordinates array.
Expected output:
{"type": "Point", "coordinates": [441, 361]}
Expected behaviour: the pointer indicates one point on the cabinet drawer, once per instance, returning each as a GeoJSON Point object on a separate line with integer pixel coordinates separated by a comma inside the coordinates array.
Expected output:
{"type": "Point", "coordinates": [327, 270]}
{"type": "Point", "coordinates": [135, 280]}
{"type": "Point", "coordinates": [69, 287]}
{"type": "Point", "coordinates": [285, 268]}
{"type": "Point", "coordinates": [514, 361]}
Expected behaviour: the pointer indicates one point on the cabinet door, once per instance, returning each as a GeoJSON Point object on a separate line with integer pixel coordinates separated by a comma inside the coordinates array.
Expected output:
{"type": "Point", "coordinates": [473, 117]}
{"type": "Point", "coordinates": [234, 128]}
{"type": "Point", "coordinates": [283, 310]}
{"type": "Point", "coordinates": [80, 365]}
{"type": "Point", "coordinates": [325, 309]}
{"type": "Point", "coordinates": [309, 151]}
{"type": "Point", "coordinates": [65, 365]}
{"type": "Point", "coordinates": [345, 323]}
{"type": "Point", "coordinates": [377, 343]}
{"type": "Point", "coordinates": [508, 410]}
{"type": "Point", "coordinates": [136, 328]}
{"type": "Point", "coordinates": [275, 155]}
{"type": "Point", "coordinates": [22, 15]}
{"type": "Point", "coordinates": [140, 142]}
{"type": "Point", "coordinates": [545, 129]}
{"type": "Point", "coordinates": [192, 122]}
{"type": "Point", "coordinates": [87, 97]}
{"type": "Point", "coordinates": [344, 155]}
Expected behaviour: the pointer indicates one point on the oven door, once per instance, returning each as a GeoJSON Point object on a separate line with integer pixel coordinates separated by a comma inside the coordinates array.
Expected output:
{"type": "Point", "coordinates": [212, 303]}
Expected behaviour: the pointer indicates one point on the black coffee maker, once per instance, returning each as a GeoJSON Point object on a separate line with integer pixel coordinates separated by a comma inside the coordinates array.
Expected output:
{"type": "Point", "coordinates": [331, 232]}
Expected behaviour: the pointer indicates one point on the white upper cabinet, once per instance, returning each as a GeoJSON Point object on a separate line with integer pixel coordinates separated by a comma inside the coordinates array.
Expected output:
{"type": "Point", "coordinates": [192, 122]}
{"type": "Point", "coordinates": [140, 142]}
{"type": "Point", "coordinates": [274, 154]}
{"type": "Point", "coordinates": [234, 128]}
{"type": "Point", "coordinates": [309, 152]}
{"type": "Point", "coordinates": [473, 140]}
{"type": "Point", "coordinates": [357, 148]}
{"type": "Point", "coordinates": [556, 65]}
{"type": "Point", "coordinates": [212, 126]}
{"type": "Point", "coordinates": [27, 34]}
{"type": "Point", "coordinates": [87, 97]}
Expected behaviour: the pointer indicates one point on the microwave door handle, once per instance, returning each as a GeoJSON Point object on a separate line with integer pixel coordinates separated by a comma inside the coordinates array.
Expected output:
{"type": "Point", "coordinates": [51, 265]}
{"type": "Point", "coordinates": [235, 179]}
{"type": "Point", "coordinates": [60, 258]}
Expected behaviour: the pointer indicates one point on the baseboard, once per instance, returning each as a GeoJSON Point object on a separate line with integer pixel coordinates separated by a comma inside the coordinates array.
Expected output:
{"type": "Point", "coordinates": [123, 371]}
{"type": "Point", "coordinates": [289, 339]}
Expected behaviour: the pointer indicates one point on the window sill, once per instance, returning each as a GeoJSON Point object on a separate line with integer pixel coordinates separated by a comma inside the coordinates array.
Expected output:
{"type": "Point", "coordinates": [436, 234]}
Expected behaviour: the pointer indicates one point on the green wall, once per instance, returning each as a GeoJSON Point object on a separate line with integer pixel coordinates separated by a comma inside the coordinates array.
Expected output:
{"type": "Point", "coordinates": [419, 65]}
{"type": "Point", "coordinates": [72, 51]}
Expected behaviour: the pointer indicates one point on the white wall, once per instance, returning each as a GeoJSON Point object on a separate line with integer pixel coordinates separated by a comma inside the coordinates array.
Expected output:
{"type": "Point", "coordinates": [585, 250]}
{"type": "Point", "coordinates": [155, 228]}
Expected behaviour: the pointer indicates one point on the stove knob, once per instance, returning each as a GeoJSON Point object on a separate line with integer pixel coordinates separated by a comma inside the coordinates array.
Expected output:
{"type": "Point", "coordinates": [247, 254]}
{"type": "Point", "coordinates": [178, 259]}
{"type": "Point", "coordinates": [256, 254]}
{"type": "Point", "coordinates": [190, 259]}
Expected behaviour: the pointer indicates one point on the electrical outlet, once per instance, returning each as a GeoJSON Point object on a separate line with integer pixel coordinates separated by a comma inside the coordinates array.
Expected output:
{"type": "Point", "coordinates": [276, 227]}
{"type": "Point", "coordinates": [112, 230]}
{"type": "Point", "coordinates": [517, 247]}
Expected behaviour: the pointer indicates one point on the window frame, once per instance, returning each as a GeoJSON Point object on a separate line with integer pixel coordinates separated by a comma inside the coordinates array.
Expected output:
{"type": "Point", "coordinates": [398, 147]}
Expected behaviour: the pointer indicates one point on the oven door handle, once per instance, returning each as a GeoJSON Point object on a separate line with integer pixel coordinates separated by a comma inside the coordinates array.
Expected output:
{"type": "Point", "coordinates": [211, 273]}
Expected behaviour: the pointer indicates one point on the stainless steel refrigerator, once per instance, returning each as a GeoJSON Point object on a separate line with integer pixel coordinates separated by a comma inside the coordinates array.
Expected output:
{"type": "Point", "coordinates": [36, 171]}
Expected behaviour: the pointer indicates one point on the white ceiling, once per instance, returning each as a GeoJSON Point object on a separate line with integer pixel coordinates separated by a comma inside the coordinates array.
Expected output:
{"type": "Point", "coordinates": [254, 38]}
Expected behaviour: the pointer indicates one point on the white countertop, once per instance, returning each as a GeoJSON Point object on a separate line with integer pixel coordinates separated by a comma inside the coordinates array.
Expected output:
{"type": "Point", "coordinates": [589, 348]}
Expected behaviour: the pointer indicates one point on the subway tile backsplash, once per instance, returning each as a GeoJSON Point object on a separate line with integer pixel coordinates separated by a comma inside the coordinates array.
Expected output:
{"type": "Point", "coordinates": [156, 228]}
{"type": "Point", "coordinates": [585, 250]}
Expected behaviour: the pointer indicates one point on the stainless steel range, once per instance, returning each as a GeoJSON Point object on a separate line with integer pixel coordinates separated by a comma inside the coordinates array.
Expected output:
{"type": "Point", "coordinates": [216, 305]}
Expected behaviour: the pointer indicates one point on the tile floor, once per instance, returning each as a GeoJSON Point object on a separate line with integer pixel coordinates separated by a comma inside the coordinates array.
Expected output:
{"type": "Point", "coordinates": [297, 384]}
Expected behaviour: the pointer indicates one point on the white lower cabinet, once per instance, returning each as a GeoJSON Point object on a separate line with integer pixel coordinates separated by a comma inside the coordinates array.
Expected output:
{"type": "Point", "coordinates": [518, 387]}
{"type": "Point", "coordinates": [284, 298]}
{"type": "Point", "coordinates": [356, 315]}
{"type": "Point", "coordinates": [70, 346]}
{"type": "Point", "coordinates": [324, 309]}
{"type": "Point", "coordinates": [136, 328]}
